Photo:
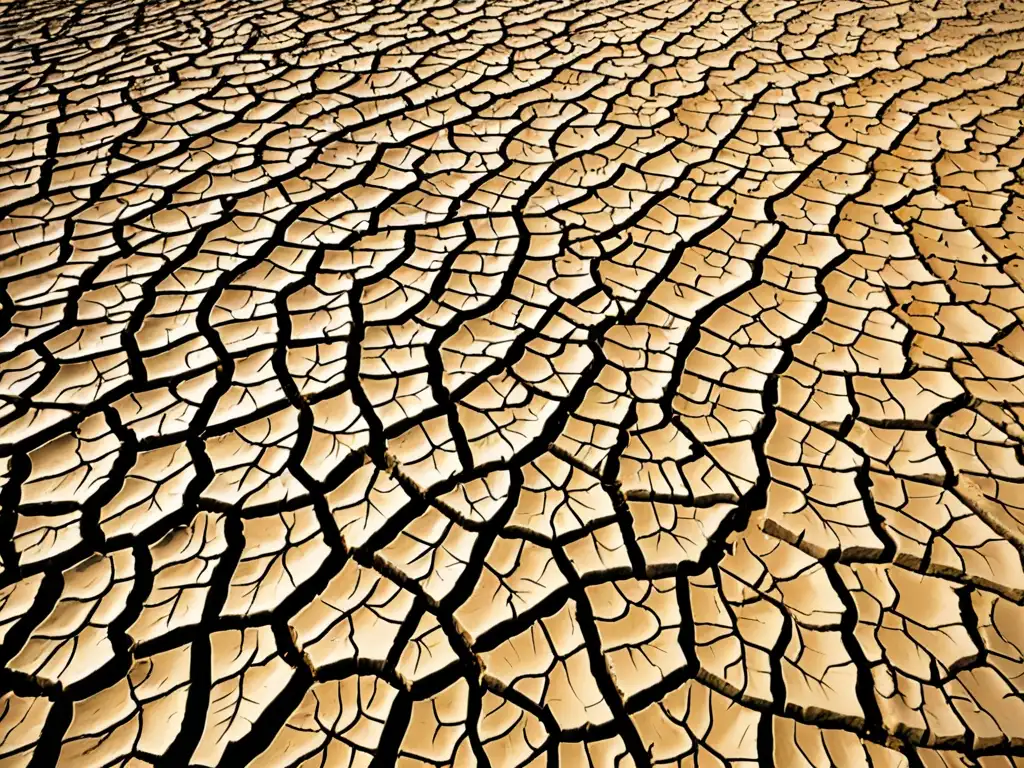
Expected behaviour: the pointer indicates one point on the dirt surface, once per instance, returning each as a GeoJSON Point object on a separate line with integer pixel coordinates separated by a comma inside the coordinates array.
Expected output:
{"type": "Point", "coordinates": [567, 383]}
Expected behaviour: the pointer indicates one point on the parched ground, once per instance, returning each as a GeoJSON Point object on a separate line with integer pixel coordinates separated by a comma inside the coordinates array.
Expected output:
{"type": "Point", "coordinates": [563, 383]}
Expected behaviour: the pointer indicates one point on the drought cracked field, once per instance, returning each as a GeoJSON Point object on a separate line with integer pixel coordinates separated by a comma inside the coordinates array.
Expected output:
{"type": "Point", "coordinates": [503, 383]}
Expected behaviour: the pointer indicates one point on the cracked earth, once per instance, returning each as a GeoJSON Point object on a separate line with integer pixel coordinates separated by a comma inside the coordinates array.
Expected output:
{"type": "Point", "coordinates": [505, 383]}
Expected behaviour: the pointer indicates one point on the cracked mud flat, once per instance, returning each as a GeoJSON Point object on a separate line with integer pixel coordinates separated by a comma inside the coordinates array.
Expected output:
{"type": "Point", "coordinates": [579, 383]}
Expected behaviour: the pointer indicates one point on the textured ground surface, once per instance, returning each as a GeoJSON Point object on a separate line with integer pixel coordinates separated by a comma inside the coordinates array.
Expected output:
{"type": "Point", "coordinates": [580, 383]}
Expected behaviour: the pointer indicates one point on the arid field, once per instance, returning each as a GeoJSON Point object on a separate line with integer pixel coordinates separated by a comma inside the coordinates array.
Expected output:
{"type": "Point", "coordinates": [503, 383]}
